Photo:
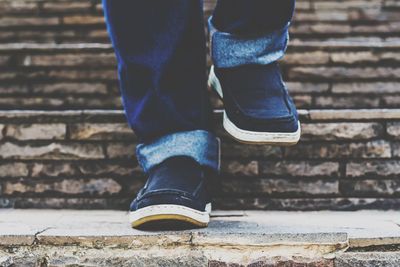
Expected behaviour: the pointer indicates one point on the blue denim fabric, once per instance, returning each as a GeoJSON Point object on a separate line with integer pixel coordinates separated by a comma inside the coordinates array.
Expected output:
{"type": "Point", "coordinates": [231, 50]}
{"type": "Point", "coordinates": [161, 52]}
{"type": "Point", "coordinates": [203, 146]}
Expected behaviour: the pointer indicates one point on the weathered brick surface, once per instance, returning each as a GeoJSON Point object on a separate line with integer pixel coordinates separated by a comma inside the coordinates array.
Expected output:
{"type": "Point", "coordinates": [279, 186]}
{"type": "Point", "coordinates": [373, 149]}
{"type": "Point", "coordinates": [16, 169]}
{"type": "Point", "coordinates": [32, 21]}
{"type": "Point", "coordinates": [13, 89]}
{"type": "Point", "coordinates": [299, 169]}
{"type": "Point", "coordinates": [82, 60]}
{"type": "Point", "coordinates": [344, 73]}
{"type": "Point", "coordinates": [51, 151]}
{"type": "Point", "coordinates": [343, 55]}
{"type": "Point", "coordinates": [97, 186]}
{"type": "Point", "coordinates": [312, 80]}
{"type": "Point", "coordinates": [375, 88]}
{"type": "Point", "coordinates": [54, 169]}
{"type": "Point", "coordinates": [14, 7]}
{"type": "Point", "coordinates": [341, 131]}
{"type": "Point", "coordinates": [349, 114]}
{"type": "Point", "coordinates": [312, 58]}
{"type": "Point", "coordinates": [66, 7]}
{"type": "Point", "coordinates": [83, 20]}
{"type": "Point", "coordinates": [393, 129]}
{"type": "Point", "coordinates": [346, 101]}
{"type": "Point", "coordinates": [236, 150]}
{"type": "Point", "coordinates": [307, 88]}
{"type": "Point", "coordinates": [121, 150]}
{"type": "Point", "coordinates": [335, 160]}
{"type": "Point", "coordinates": [391, 101]}
{"type": "Point", "coordinates": [90, 168]}
{"type": "Point", "coordinates": [371, 187]}
{"type": "Point", "coordinates": [303, 101]}
{"type": "Point", "coordinates": [238, 168]}
{"type": "Point", "coordinates": [101, 131]}
{"type": "Point", "coordinates": [374, 169]}
{"type": "Point", "coordinates": [59, 102]}
{"type": "Point", "coordinates": [70, 88]}
{"type": "Point", "coordinates": [36, 131]}
{"type": "Point", "coordinates": [396, 150]}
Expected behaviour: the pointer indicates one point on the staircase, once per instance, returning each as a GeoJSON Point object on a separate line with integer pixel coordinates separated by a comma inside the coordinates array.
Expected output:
{"type": "Point", "coordinates": [64, 142]}
{"type": "Point", "coordinates": [234, 238]}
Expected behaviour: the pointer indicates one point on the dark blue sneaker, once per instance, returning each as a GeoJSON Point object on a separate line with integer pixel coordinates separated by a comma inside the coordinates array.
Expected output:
{"type": "Point", "coordinates": [175, 196]}
{"type": "Point", "coordinates": [258, 108]}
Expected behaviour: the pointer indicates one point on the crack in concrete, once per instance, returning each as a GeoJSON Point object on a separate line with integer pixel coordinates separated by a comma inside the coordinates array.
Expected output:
{"type": "Point", "coordinates": [396, 223]}
{"type": "Point", "coordinates": [191, 237]}
{"type": "Point", "coordinates": [35, 239]}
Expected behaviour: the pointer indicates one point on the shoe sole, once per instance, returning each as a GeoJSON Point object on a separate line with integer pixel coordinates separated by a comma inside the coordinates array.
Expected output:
{"type": "Point", "coordinates": [251, 137]}
{"type": "Point", "coordinates": [169, 213]}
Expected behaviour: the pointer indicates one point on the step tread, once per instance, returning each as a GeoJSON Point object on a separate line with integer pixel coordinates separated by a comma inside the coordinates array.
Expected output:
{"type": "Point", "coordinates": [297, 43]}
{"type": "Point", "coordinates": [307, 114]}
{"type": "Point", "coordinates": [227, 228]}
{"type": "Point", "coordinates": [233, 238]}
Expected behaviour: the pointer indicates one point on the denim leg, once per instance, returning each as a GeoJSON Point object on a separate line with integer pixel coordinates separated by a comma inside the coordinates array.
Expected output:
{"type": "Point", "coordinates": [249, 31]}
{"type": "Point", "coordinates": [160, 47]}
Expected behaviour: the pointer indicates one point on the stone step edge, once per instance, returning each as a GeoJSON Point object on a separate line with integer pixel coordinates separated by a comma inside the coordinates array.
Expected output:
{"type": "Point", "coordinates": [321, 45]}
{"type": "Point", "coordinates": [76, 256]}
{"type": "Point", "coordinates": [242, 230]}
{"type": "Point", "coordinates": [252, 240]}
{"type": "Point", "coordinates": [171, 248]}
{"type": "Point", "coordinates": [308, 115]}
{"type": "Point", "coordinates": [316, 244]}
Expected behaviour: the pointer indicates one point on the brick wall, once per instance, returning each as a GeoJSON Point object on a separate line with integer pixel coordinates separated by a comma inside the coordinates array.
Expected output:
{"type": "Point", "coordinates": [64, 142]}
{"type": "Point", "coordinates": [69, 159]}
{"type": "Point", "coordinates": [343, 54]}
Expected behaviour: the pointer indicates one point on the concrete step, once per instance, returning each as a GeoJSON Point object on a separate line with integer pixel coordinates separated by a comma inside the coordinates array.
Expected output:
{"type": "Point", "coordinates": [233, 238]}
{"type": "Point", "coordinates": [347, 159]}
{"type": "Point", "coordinates": [319, 74]}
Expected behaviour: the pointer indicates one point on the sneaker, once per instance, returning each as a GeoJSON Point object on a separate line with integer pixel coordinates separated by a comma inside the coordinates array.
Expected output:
{"type": "Point", "coordinates": [175, 196]}
{"type": "Point", "coordinates": [258, 108]}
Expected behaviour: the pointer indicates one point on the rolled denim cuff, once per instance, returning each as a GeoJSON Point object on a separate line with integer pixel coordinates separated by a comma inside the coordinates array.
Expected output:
{"type": "Point", "coordinates": [200, 145]}
{"type": "Point", "coordinates": [229, 50]}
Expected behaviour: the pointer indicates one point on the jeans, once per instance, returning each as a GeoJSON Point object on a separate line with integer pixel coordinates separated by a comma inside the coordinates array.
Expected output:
{"type": "Point", "coordinates": [161, 51]}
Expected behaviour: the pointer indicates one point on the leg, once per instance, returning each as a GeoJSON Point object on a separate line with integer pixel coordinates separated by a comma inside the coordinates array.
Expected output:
{"type": "Point", "coordinates": [252, 17]}
{"type": "Point", "coordinates": [247, 39]}
{"type": "Point", "coordinates": [161, 54]}
{"type": "Point", "coordinates": [160, 46]}
{"type": "Point", "coordinates": [250, 32]}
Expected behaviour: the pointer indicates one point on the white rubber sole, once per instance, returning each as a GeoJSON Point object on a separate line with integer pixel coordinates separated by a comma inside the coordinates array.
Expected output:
{"type": "Point", "coordinates": [272, 138]}
{"type": "Point", "coordinates": [170, 212]}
